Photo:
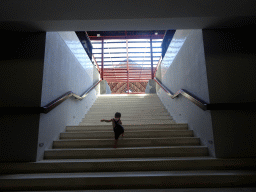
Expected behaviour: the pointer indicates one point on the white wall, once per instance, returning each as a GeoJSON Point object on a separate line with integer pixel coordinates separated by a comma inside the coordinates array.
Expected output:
{"type": "Point", "coordinates": [183, 67]}
{"type": "Point", "coordinates": [63, 72]}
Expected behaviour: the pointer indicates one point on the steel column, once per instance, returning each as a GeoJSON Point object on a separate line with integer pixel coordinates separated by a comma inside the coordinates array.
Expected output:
{"type": "Point", "coordinates": [102, 57]}
{"type": "Point", "coordinates": [151, 54]}
{"type": "Point", "coordinates": [127, 64]}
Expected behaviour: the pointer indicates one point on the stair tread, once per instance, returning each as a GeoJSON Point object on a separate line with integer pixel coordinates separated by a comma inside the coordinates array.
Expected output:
{"type": "Point", "coordinates": [124, 148]}
{"type": "Point", "coordinates": [129, 131]}
{"type": "Point", "coordinates": [128, 164]}
{"type": "Point", "coordinates": [111, 139]}
{"type": "Point", "coordinates": [130, 174]}
{"type": "Point", "coordinates": [184, 159]}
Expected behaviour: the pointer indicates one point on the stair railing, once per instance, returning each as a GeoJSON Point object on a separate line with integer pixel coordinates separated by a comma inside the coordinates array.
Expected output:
{"type": "Point", "coordinates": [50, 106]}
{"type": "Point", "coordinates": [206, 106]}
{"type": "Point", "coordinates": [189, 96]}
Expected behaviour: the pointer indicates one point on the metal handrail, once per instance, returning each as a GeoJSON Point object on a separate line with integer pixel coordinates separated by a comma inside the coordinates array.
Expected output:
{"type": "Point", "coordinates": [186, 94]}
{"type": "Point", "coordinates": [47, 108]}
{"type": "Point", "coordinates": [50, 106]}
{"type": "Point", "coordinates": [208, 106]}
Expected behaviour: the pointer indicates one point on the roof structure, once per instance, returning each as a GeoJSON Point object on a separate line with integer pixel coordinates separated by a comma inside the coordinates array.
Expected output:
{"type": "Point", "coordinates": [126, 59]}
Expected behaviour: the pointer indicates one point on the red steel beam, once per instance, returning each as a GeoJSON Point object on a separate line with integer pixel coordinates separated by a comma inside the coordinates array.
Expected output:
{"type": "Point", "coordinates": [125, 81]}
{"type": "Point", "coordinates": [144, 85]}
{"type": "Point", "coordinates": [106, 72]}
{"type": "Point", "coordinates": [124, 77]}
{"type": "Point", "coordinates": [159, 62]}
{"type": "Point", "coordinates": [118, 87]}
{"type": "Point", "coordinates": [114, 86]}
{"type": "Point", "coordinates": [148, 68]}
{"type": "Point", "coordinates": [131, 93]}
{"type": "Point", "coordinates": [97, 66]}
{"type": "Point", "coordinates": [138, 86]}
{"type": "Point", "coordinates": [122, 87]}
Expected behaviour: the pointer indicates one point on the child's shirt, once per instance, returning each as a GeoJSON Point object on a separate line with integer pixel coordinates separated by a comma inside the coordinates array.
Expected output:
{"type": "Point", "coordinates": [113, 122]}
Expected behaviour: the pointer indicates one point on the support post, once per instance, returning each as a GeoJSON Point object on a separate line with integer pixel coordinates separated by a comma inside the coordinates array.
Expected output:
{"type": "Point", "coordinates": [151, 54]}
{"type": "Point", "coordinates": [127, 63]}
{"type": "Point", "coordinates": [102, 57]}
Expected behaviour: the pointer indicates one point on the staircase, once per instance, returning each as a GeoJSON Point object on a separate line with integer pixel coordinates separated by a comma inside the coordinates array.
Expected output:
{"type": "Point", "coordinates": [155, 153]}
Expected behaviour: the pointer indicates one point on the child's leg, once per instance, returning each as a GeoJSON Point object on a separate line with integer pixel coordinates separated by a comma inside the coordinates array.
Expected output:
{"type": "Point", "coordinates": [115, 145]}
{"type": "Point", "coordinates": [116, 139]}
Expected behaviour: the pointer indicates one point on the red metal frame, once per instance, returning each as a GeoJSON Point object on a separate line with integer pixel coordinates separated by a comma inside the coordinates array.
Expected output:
{"type": "Point", "coordinates": [122, 77]}
{"type": "Point", "coordinates": [102, 58]}
{"type": "Point", "coordinates": [97, 66]}
{"type": "Point", "coordinates": [159, 62]}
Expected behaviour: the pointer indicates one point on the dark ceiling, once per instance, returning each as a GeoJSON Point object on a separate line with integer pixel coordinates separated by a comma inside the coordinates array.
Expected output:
{"type": "Point", "coordinates": [130, 15]}
{"type": "Point", "coordinates": [123, 33]}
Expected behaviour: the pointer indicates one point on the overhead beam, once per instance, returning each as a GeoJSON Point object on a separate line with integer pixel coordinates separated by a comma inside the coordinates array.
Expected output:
{"type": "Point", "coordinates": [159, 36]}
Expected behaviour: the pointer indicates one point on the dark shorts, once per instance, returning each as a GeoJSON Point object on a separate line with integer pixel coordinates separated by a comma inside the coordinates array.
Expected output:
{"type": "Point", "coordinates": [118, 133]}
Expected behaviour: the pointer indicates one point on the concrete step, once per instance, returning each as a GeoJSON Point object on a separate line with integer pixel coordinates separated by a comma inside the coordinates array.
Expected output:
{"type": "Point", "coordinates": [113, 100]}
{"type": "Point", "coordinates": [145, 121]}
{"type": "Point", "coordinates": [143, 100]}
{"type": "Point", "coordinates": [126, 142]}
{"type": "Point", "coordinates": [128, 164]}
{"type": "Point", "coordinates": [131, 114]}
{"type": "Point", "coordinates": [128, 103]}
{"type": "Point", "coordinates": [128, 180]}
{"type": "Point", "coordinates": [127, 98]}
{"type": "Point", "coordinates": [127, 118]}
{"type": "Point", "coordinates": [128, 134]}
{"type": "Point", "coordinates": [157, 127]}
{"type": "Point", "coordinates": [127, 113]}
{"type": "Point", "coordinates": [128, 107]}
{"type": "Point", "coordinates": [126, 122]}
{"type": "Point", "coordinates": [132, 152]}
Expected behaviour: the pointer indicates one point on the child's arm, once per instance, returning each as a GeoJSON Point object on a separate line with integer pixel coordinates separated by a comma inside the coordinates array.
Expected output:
{"type": "Point", "coordinates": [102, 120]}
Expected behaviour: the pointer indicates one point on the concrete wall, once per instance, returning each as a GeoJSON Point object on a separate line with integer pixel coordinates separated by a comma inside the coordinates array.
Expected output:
{"type": "Point", "coordinates": [21, 72]}
{"type": "Point", "coordinates": [230, 62]}
{"type": "Point", "coordinates": [104, 87]}
{"type": "Point", "coordinates": [183, 67]}
{"type": "Point", "coordinates": [151, 87]}
{"type": "Point", "coordinates": [159, 77]}
{"type": "Point", "coordinates": [62, 73]}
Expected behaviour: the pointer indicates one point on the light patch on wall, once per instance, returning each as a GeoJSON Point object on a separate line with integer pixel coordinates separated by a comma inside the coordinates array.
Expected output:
{"type": "Point", "coordinates": [177, 42]}
{"type": "Point", "coordinates": [76, 48]}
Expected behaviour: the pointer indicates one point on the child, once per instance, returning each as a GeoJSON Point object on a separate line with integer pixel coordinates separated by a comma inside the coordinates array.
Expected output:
{"type": "Point", "coordinates": [117, 126]}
